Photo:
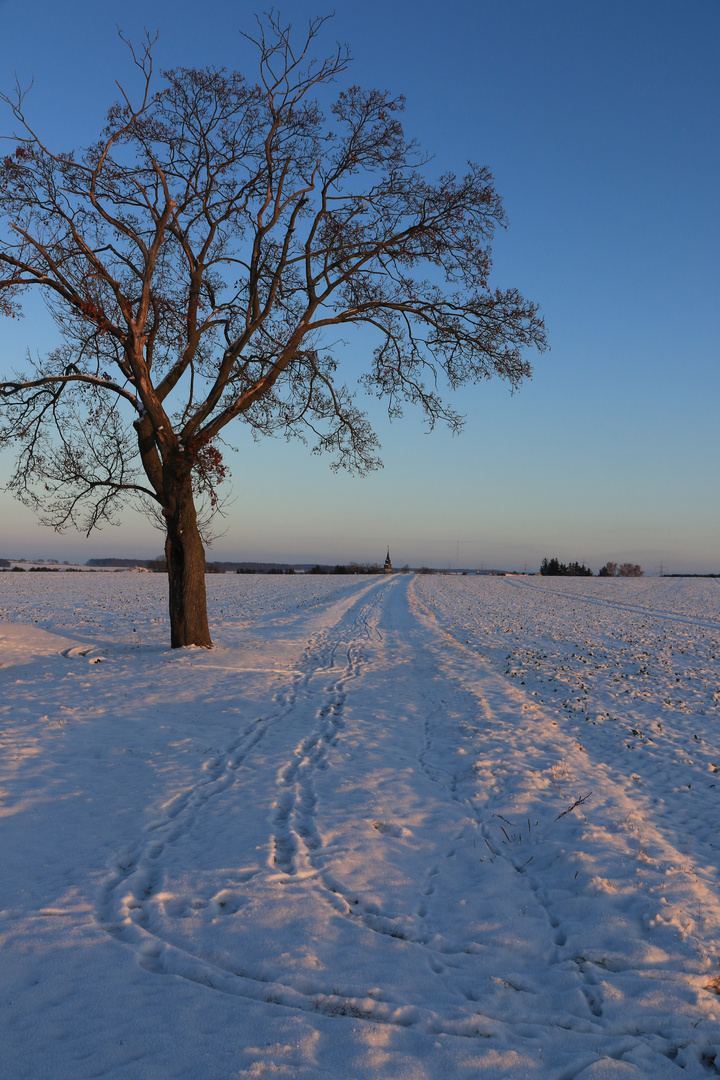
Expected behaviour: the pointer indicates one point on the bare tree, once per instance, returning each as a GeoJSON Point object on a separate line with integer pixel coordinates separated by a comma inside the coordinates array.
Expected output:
{"type": "Point", "coordinates": [195, 259]}
{"type": "Point", "coordinates": [608, 570]}
{"type": "Point", "coordinates": [628, 569]}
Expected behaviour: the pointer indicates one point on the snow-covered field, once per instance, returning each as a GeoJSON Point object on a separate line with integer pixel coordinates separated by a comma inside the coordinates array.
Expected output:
{"type": "Point", "coordinates": [403, 827]}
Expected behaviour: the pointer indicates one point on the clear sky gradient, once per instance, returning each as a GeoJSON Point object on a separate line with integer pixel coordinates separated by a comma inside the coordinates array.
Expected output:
{"type": "Point", "coordinates": [599, 122]}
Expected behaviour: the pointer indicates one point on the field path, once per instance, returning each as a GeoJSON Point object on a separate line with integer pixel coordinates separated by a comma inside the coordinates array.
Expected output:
{"type": "Point", "coordinates": [408, 841]}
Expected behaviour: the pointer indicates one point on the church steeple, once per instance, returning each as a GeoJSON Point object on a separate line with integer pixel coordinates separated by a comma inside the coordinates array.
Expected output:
{"type": "Point", "coordinates": [388, 564]}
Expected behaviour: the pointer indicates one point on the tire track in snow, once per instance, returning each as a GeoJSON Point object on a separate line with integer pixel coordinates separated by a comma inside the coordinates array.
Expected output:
{"type": "Point", "coordinates": [405, 928]}
{"type": "Point", "coordinates": [296, 852]}
{"type": "Point", "coordinates": [538, 856]}
{"type": "Point", "coordinates": [137, 869]}
{"type": "Point", "coordinates": [293, 820]}
{"type": "Point", "coordinates": [585, 1021]}
{"type": "Point", "coordinates": [138, 865]}
{"type": "Point", "coordinates": [293, 838]}
{"type": "Point", "coordinates": [297, 844]}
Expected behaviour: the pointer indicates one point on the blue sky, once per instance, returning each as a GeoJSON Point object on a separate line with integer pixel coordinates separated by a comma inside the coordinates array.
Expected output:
{"type": "Point", "coordinates": [599, 121]}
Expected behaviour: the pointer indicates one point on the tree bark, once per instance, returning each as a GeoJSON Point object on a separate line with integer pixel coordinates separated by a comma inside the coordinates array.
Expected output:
{"type": "Point", "coordinates": [186, 560]}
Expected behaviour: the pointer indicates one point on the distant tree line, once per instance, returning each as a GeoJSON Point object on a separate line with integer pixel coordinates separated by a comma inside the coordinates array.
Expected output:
{"type": "Point", "coordinates": [5, 567]}
{"type": "Point", "coordinates": [350, 568]}
{"type": "Point", "coordinates": [626, 569]}
{"type": "Point", "coordinates": [691, 575]}
{"type": "Point", "coordinates": [160, 566]}
{"type": "Point", "coordinates": [554, 568]}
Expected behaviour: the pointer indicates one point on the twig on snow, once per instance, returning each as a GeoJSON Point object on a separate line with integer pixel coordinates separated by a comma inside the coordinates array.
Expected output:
{"type": "Point", "coordinates": [578, 802]}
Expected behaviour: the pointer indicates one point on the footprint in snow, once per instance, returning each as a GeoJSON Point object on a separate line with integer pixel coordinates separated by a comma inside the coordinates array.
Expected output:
{"type": "Point", "coordinates": [386, 829]}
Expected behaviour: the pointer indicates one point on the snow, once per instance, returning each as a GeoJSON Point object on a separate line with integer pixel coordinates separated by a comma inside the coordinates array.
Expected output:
{"type": "Point", "coordinates": [397, 827]}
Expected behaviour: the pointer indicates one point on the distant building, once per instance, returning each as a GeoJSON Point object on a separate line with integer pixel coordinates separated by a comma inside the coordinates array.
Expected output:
{"type": "Point", "coordinates": [388, 564]}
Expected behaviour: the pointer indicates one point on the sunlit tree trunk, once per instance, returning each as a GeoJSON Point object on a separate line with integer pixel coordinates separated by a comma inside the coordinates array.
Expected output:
{"type": "Point", "coordinates": [186, 560]}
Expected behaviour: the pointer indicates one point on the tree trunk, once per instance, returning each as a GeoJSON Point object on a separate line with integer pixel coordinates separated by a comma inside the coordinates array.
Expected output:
{"type": "Point", "coordinates": [186, 561]}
